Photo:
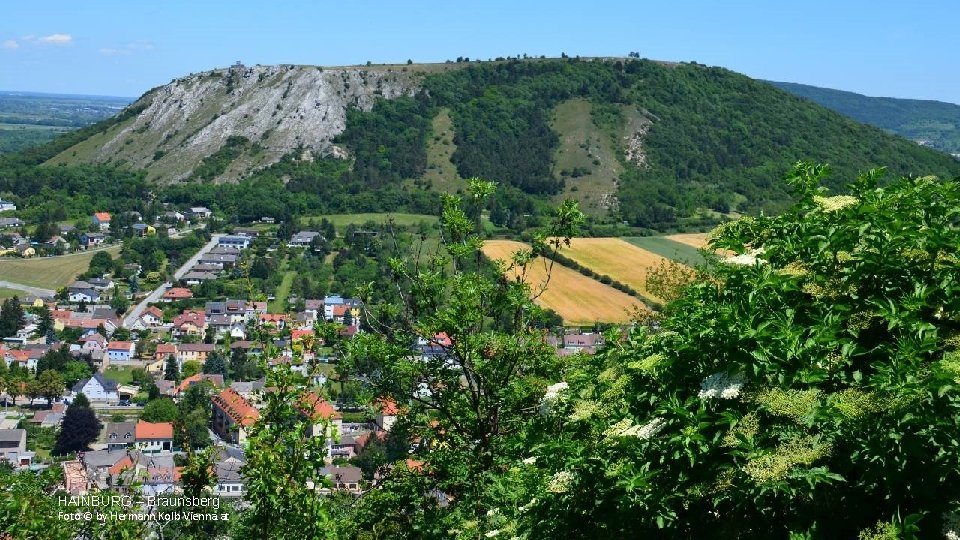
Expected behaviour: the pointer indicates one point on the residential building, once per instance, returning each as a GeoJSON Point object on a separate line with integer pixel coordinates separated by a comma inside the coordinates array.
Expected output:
{"type": "Point", "coordinates": [101, 220]}
{"type": "Point", "coordinates": [97, 389]}
{"type": "Point", "coordinates": [120, 435]}
{"type": "Point", "coordinates": [200, 212]}
{"type": "Point", "coordinates": [215, 379]}
{"type": "Point", "coordinates": [164, 350]}
{"type": "Point", "coordinates": [7, 206]}
{"type": "Point", "coordinates": [152, 316]}
{"type": "Point", "coordinates": [303, 238]}
{"type": "Point", "coordinates": [154, 437]}
{"type": "Point", "coordinates": [229, 481]}
{"type": "Point", "coordinates": [387, 412]}
{"type": "Point", "coordinates": [342, 478]}
{"type": "Point", "coordinates": [196, 278]}
{"type": "Point", "coordinates": [176, 293]}
{"type": "Point", "coordinates": [89, 296]}
{"type": "Point", "coordinates": [232, 416]}
{"type": "Point", "coordinates": [196, 352]}
{"type": "Point", "coordinates": [9, 223]}
{"type": "Point", "coordinates": [240, 242]}
{"type": "Point", "coordinates": [13, 448]}
{"type": "Point", "coordinates": [121, 351]}
{"type": "Point", "coordinates": [92, 239]}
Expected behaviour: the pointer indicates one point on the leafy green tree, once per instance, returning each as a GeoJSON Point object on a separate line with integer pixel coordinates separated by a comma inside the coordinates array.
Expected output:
{"type": "Point", "coordinates": [805, 387]}
{"type": "Point", "coordinates": [469, 401]}
{"type": "Point", "coordinates": [50, 384]}
{"type": "Point", "coordinates": [101, 263]}
{"type": "Point", "coordinates": [74, 371]}
{"type": "Point", "coordinates": [190, 368]}
{"type": "Point", "coordinates": [11, 317]}
{"type": "Point", "coordinates": [80, 427]}
{"type": "Point", "coordinates": [81, 400]}
{"type": "Point", "coordinates": [119, 303]}
{"type": "Point", "coordinates": [159, 410]}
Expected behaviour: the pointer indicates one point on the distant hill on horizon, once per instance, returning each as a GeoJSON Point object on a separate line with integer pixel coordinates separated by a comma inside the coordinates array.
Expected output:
{"type": "Point", "coordinates": [31, 118]}
{"type": "Point", "coordinates": [928, 122]}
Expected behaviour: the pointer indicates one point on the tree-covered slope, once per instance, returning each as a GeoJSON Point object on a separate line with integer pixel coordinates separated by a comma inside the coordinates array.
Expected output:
{"type": "Point", "coordinates": [934, 123]}
{"type": "Point", "coordinates": [712, 139]}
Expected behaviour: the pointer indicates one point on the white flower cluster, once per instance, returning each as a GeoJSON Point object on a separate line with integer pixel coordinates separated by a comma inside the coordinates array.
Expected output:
{"type": "Point", "coordinates": [561, 482]}
{"type": "Point", "coordinates": [551, 397]}
{"type": "Point", "coordinates": [530, 460]}
{"type": "Point", "coordinates": [744, 260]}
{"type": "Point", "coordinates": [836, 203]}
{"type": "Point", "coordinates": [951, 526]}
{"type": "Point", "coordinates": [721, 385]}
{"type": "Point", "coordinates": [626, 428]}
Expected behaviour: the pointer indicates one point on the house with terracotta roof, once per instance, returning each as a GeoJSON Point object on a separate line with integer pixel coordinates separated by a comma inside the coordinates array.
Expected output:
{"type": "Point", "coordinates": [121, 350]}
{"type": "Point", "coordinates": [154, 437]}
{"type": "Point", "coordinates": [93, 342]}
{"type": "Point", "coordinates": [101, 220]}
{"type": "Point", "coordinates": [276, 320]}
{"type": "Point", "coordinates": [325, 420]}
{"type": "Point", "coordinates": [152, 316]}
{"type": "Point", "coordinates": [191, 323]}
{"type": "Point", "coordinates": [165, 350]}
{"type": "Point", "coordinates": [176, 293]}
{"type": "Point", "coordinates": [215, 379]}
{"type": "Point", "coordinates": [232, 416]}
{"type": "Point", "coordinates": [387, 412]}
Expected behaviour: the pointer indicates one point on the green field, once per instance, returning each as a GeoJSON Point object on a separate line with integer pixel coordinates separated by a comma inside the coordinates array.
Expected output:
{"type": "Point", "coordinates": [668, 248]}
{"type": "Point", "coordinates": [123, 375]}
{"type": "Point", "coordinates": [49, 272]}
{"type": "Point", "coordinates": [441, 173]}
{"type": "Point", "coordinates": [342, 220]}
{"type": "Point", "coordinates": [10, 293]}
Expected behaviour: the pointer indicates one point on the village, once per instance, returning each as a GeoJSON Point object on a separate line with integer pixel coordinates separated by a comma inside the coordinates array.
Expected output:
{"type": "Point", "coordinates": [183, 357]}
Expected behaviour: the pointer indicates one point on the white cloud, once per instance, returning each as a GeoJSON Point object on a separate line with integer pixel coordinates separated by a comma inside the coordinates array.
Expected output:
{"type": "Point", "coordinates": [10, 44]}
{"type": "Point", "coordinates": [57, 39]}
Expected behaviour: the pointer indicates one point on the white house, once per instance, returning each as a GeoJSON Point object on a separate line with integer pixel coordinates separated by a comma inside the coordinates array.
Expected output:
{"type": "Point", "coordinates": [121, 350]}
{"type": "Point", "coordinates": [239, 242]}
{"type": "Point", "coordinates": [85, 295]}
{"type": "Point", "coordinates": [7, 205]}
{"type": "Point", "coordinates": [200, 212]}
{"type": "Point", "coordinates": [154, 438]}
{"type": "Point", "coordinates": [97, 389]}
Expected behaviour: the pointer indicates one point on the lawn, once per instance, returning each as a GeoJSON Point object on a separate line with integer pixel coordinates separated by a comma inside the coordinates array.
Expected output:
{"type": "Point", "coordinates": [578, 299]}
{"type": "Point", "coordinates": [123, 375]}
{"type": "Point", "coordinates": [279, 302]}
{"type": "Point", "coordinates": [49, 272]}
{"type": "Point", "coordinates": [684, 252]}
{"type": "Point", "coordinates": [614, 257]}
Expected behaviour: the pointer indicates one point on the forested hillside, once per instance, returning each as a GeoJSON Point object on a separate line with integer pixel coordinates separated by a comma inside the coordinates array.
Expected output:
{"type": "Point", "coordinates": [933, 123]}
{"type": "Point", "coordinates": [658, 146]}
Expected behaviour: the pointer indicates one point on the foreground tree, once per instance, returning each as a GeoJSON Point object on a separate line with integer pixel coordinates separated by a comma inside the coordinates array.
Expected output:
{"type": "Point", "coordinates": [807, 385]}
{"type": "Point", "coordinates": [469, 394]}
{"type": "Point", "coordinates": [80, 427]}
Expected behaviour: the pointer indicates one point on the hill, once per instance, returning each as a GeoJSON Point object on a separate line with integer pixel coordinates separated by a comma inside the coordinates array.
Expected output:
{"type": "Point", "coordinates": [657, 145]}
{"type": "Point", "coordinates": [931, 123]}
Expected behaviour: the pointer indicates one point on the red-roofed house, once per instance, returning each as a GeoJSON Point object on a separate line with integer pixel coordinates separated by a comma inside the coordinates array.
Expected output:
{"type": "Point", "coordinates": [192, 323]}
{"type": "Point", "coordinates": [154, 438]}
{"type": "Point", "coordinates": [121, 350]}
{"type": "Point", "coordinates": [300, 333]}
{"type": "Point", "coordinates": [102, 220]}
{"type": "Point", "coordinates": [387, 412]}
{"type": "Point", "coordinates": [165, 350]}
{"type": "Point", "coordinates": [176, 293]}
{"type": "Point", "coordinates": [279, 320]}
{"type": "Point", "coordinates": [196, 352]}
{"type": "Point", "coordinates": [232, 416]}
{"type": "Point", "coordinates": [214, 378]}
{"type": "Point", "coordinates": [152, 316]}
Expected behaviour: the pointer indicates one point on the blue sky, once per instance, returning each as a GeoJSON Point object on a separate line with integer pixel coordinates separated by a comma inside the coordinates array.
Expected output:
{"type": "Point", "coordinates": [110, 47]}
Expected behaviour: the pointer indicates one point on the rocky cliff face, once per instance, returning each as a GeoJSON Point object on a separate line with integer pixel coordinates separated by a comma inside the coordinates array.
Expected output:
{"type": "Point", "coordinates": [276, 108]}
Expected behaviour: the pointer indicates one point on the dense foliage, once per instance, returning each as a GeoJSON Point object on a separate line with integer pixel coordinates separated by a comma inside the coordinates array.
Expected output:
{"type": "Point", "coordinates": [934, 122]}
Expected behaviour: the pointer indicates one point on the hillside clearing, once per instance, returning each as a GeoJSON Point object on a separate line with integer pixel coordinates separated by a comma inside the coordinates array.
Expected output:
{"type": "Point", "coordinates": [49, 272]}
{"type": "Point", "coordinates": [579, 300]}
{"type": "Point", "coordinates": [584, 158]}
{"type": "Point", "coordinates": [441, 173]}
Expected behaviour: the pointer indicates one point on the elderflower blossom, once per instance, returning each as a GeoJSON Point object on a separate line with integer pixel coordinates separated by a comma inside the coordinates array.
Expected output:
{"type": "Point", "coordinates": [951, 525]}
{"type": "Point", "coordinates": [835, 203]}
{"type": "Point", "coordinates": [561, 482]}
{"type": "Point", "coordinates": [530, 460]}
{"type": "Point", "coordinates": [491, 534]}
{"type": "Point", "coordinates": [551, 397]}
{"type": "Point", "coordinates": [744, 260]}
{"type": "Point", "coordinates": [721, 385]}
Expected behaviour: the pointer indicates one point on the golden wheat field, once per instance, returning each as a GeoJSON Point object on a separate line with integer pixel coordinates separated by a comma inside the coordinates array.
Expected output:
{"type": "Point", "coordinates": [616, 258]}
{"type": "Point", "coordinates": [578, 299]}
{"type": "Point", "coordinates": [697, 240]}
